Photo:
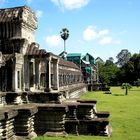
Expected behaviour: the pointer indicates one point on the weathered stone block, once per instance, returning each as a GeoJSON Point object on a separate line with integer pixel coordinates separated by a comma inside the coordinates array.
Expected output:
{"type": "Point", "coordinates": [50, 119]}
{"type": "Point", "coordinates": [71, 127]}
{"type": "Point", "coordinates": [7, 124]}
{"type": "Point", "coordinates": [98, 126]}
{"type": "Point", "coordinates": [24, 121]}
{"type": "Point", "coordinates": [85, 111]}
{"type": "Point", "coordinates": [71, 112]}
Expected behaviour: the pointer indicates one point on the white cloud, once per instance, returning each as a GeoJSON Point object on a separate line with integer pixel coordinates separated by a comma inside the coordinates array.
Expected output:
{"type": "Point", "coordinates": [39, 13]}
{"type": "Point", "coordinates": [103, 32]}
{"type": "Point", "coordinates": [105, 40]}
{"type": "Point", "coordinates": [102, 36]}
{"type": "Point", "coordinates": [89, 33]}
{"type": "Point", "coordinates": [117, 42]}
{"type": "Point", "coordinates": [108, 40]}
{"type": "Point", "coordinates": [53, 41]}
{"type": "Point", "coordinates": [70, 4]}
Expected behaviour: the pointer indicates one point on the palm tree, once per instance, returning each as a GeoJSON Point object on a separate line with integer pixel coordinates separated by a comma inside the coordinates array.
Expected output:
{"type": "Point", "coordinates": [64, 35]}
{"type": "Point", "coordinates": [126, 86]}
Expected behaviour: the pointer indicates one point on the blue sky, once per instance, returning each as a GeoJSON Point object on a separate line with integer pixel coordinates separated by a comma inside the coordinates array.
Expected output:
{"type": "Point", "coordinates": [100, 27]}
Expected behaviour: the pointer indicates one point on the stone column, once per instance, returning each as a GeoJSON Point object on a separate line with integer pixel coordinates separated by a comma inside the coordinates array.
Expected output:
{"type": "Point", "coordinates": [48, 75]}
{"type": "Point", "coordinates": [56, 74]}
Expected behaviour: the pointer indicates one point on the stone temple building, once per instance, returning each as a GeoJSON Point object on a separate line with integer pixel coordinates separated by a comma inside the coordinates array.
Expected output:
{"type": "Point", "coordinates": [24, 67]}
{"type": "Point", "coordinates": [36, 86]}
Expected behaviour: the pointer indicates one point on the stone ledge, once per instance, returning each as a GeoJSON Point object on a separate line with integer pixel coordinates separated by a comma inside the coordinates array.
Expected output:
{"type": "Point", "coordinates": [87, 101]}
{"type": "Point", "coordinates": [102, 114]}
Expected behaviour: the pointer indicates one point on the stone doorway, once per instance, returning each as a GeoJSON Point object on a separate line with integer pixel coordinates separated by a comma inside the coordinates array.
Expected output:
{"type": "Point", "coordinates": [6, 77]}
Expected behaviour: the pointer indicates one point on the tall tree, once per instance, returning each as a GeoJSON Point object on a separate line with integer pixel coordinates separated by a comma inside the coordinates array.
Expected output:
{"type": "Point", "coordinates": [64, 35]}
{"type": "Point", "coordinates": [123, 57]}
{"type": "Point", "coordinates": [107, 72]}
{"type": "Point", "coordinates": [130, 71]}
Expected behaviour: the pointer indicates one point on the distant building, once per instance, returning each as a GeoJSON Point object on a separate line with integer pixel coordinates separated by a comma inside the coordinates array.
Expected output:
{"type": "Point", "coordinates": [87, 65]}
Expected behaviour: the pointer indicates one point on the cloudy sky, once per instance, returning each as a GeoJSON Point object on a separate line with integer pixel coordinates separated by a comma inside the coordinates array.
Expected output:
{"type": "Point", "coordinates": [99, 27]}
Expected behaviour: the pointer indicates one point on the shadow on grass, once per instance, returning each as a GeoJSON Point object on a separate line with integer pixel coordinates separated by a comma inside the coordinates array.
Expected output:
{"type": "Point", "coordinates": [118, 94]}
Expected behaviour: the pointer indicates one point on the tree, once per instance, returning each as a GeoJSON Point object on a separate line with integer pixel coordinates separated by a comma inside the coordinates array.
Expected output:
{"type": "Point", "coordinates": [123, 57]}
{"type": "Point", "coordinates": [126, 86]}
{"type": "Point", "coordinates": [64, 35]}
{"type": "Point", "coordinates": [130, 71]}
{"type": "Point", "coordinates": [107, 72]}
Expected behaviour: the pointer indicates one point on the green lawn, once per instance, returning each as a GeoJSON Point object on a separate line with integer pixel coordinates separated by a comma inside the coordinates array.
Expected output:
{"type": "Point", "coordinates": [124, 118]}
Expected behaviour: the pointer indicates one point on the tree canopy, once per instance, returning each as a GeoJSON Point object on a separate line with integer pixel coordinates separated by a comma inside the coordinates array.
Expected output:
{"type": "Point", "coordinates": [123, 57]}
{"type": "Point", "coordinates": [128, 71]}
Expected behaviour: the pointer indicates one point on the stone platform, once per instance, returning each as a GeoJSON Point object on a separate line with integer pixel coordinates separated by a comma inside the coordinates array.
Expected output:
{"type": "Point", "coordinates": [26, 121]}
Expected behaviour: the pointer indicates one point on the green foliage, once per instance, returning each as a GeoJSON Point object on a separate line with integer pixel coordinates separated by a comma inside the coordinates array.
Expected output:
{"type": "Point", "coordinates": [137, 83]}
{"type": "Point", "coordinates": [107, 72]}
{"type": "Point", "coordinates": [64, 33]}
{"type": "Point", "coordinates": [123, 57]}
{"type": "Point", "coordinates": [126, 86]}
{"type": "Point", "coordinates": [130, 72]}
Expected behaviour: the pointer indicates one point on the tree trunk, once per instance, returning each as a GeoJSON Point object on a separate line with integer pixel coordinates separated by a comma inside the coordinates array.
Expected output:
{"type": "Point", "coordinates": [126, 91]}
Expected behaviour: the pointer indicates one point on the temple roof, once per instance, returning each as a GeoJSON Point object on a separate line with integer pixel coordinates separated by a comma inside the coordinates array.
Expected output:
{"type": "Point", "coordinates": [68, 63]}
{"type": "Point", "coordinates": [20, 14]}
{"type": "Point", "coordinates": [33, 49]}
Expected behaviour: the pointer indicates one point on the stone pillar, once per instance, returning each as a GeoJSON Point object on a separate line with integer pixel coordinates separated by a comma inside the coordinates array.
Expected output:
{"type": "Point", "coordinates": [56, 74]}
{"type": "Point", "coordinates": [37, 74]}
{"type": "Point", "coordinates": [48, 75]}
{"type": "Point", "coordinates": [14, 79]}
{"type": "Point", "coordinates": [24, 122]}
{"type": "Point", "coordinates": [50, 119]}
{"type": "Point", "coordinates": [17, 71]}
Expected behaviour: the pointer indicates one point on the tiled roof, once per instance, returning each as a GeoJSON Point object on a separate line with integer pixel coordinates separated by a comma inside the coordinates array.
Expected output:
{"type": "Point", "coordinates": [33, 49]}
{"type": "Point", "coordinates": [67, 63]}
{"type": "Point", "coordinates": [74, 55]}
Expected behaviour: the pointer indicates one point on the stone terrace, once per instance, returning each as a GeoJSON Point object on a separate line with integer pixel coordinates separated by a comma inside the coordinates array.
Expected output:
{"type": "Point", "coordinates": [26, 121]}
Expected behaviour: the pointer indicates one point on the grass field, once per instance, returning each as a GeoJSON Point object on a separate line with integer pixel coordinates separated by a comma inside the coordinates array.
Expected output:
{"type": "Point", "coordinates": [124, 118]}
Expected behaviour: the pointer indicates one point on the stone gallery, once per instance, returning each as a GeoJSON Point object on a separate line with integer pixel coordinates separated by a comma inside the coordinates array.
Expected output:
{"type": "Point", "coordinates": [38, 89]}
